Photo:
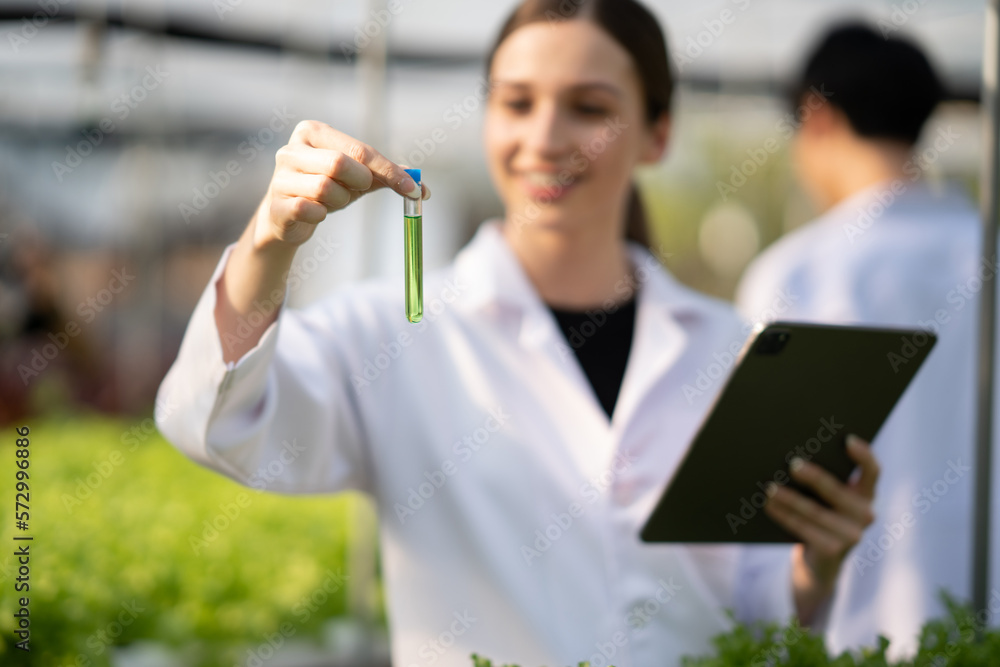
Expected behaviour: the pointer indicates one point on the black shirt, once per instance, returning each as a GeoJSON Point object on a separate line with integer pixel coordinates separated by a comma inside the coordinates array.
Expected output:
{"type": "Point", "coordinates": [601, 340]}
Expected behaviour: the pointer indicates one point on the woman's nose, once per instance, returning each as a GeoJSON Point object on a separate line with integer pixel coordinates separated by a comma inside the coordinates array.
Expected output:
{"type": "Point", "coordinates": [547, 131]}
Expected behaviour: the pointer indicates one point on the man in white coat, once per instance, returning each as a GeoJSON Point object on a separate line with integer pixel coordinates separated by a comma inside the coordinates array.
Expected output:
{"type": "Point", "coordinates": [889, 250]}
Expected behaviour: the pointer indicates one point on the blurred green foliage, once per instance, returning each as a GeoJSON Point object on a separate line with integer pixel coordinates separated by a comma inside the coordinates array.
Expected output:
{"type": "Point", "coordinates": [676, 201]}
{"type": "Point", "coordinates": [121, 553]}
{"type": "Point", "coordinates": [117, 515]}
{"type": "Point", "coordinates": [959, 639]}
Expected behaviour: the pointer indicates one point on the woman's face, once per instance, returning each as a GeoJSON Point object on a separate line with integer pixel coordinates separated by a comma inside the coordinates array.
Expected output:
{"type": "Point", "coordinates": [565, 125]}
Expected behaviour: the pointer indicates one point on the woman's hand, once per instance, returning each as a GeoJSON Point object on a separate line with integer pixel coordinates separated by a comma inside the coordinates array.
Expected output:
{"type": "Point", "coordinates": [827, 534]}
{"type": "Point", "coordinates": [319, 171]}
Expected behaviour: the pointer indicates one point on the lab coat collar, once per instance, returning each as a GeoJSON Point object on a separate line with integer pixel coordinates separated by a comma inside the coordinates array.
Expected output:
{"type": "Point", "coordinates": [494, 278]}
{"type": "Point", "coordinates": [496, 284]}
{"type": "Point", "coordinates": [665, 315]}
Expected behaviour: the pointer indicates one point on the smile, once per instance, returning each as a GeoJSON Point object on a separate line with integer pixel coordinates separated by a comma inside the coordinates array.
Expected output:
{"type": "Point", "coordinates": [546, 185]}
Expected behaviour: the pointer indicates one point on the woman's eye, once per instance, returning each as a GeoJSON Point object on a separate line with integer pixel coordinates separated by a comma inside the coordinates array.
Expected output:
{"type": "Point", "coordinates": [591, 110]}
{"type": "Point", "coordinates": [518, 105]}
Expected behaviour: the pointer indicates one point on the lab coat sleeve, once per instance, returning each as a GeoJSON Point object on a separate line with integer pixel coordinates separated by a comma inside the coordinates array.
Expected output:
{"type": "Point", "coordinates": [282, 418]}
{"type": "Point", "coordinates": [764, 584]}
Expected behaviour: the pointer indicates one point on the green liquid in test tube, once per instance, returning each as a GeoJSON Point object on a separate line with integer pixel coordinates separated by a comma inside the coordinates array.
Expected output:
{"type": "Point", "coordinates": [414, 253]}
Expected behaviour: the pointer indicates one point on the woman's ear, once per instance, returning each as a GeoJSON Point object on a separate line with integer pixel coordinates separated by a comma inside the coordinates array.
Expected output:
{"type": "Point", "coordinates": [657, 140]}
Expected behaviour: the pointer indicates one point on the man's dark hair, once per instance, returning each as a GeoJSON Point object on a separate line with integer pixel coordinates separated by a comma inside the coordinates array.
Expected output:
{"type": "Point", "coordinates": [885, 86]}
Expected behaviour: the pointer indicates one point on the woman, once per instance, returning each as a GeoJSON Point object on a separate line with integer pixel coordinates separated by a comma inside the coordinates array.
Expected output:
{"type": "Point", "coordinates": [510, 501]}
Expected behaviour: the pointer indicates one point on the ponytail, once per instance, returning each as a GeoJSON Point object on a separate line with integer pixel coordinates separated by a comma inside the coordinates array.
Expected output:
{"type": "Point", "coordinates": [636, 226]}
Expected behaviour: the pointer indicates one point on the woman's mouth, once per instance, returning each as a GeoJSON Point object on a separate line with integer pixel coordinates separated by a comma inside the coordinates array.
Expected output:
{"type": "Point", "coordinates": [546, 186]}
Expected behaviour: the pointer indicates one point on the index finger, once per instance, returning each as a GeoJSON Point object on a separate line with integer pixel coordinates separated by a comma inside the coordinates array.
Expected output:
{"type": "Point", "coordinates": [860, 451]}
{"type": "Point", "coordinates": [321, 135]}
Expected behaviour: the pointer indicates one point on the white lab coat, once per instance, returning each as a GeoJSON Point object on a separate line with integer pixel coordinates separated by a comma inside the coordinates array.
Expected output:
{"type": "Point", "coordinates": [509, 504]}
{"type": "Point", "coordinates": [896, 258]}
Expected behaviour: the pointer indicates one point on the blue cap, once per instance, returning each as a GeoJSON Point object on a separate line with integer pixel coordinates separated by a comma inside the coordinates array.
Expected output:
{"type": "Point", "coordinates": [414, 174]}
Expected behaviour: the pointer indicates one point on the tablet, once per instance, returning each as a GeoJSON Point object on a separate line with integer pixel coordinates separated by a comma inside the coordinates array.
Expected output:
{"type": "Point", "coordinates": [797, 390]}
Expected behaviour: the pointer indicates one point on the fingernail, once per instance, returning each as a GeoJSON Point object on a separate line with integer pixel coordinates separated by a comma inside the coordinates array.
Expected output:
{"type": "Point", "coordinates": [414, 192]}
{"type": "Point", "coordinates": [428, 195]}
{"type": "Point", "coordinates": [854, 441]}
{"type": "Point", "coordinates": [796, 464]}
{"type": "Point", "coordinates": [771, 489]}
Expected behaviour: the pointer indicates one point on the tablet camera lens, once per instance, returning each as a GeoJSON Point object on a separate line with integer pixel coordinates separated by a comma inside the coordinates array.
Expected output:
{"type": "Point", "coordinates": [772, 341]}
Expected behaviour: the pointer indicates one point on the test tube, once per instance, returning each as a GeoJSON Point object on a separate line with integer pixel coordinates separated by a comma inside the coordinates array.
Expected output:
{"type": "Point", "coordinates": [414, 252]}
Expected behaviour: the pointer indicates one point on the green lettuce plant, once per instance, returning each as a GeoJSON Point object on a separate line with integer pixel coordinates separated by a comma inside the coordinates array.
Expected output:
{"type": "Point", "coordinates": [960, 638]}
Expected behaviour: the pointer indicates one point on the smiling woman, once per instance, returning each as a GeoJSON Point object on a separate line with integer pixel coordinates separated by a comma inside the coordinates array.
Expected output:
{"type": "Point", "coordinates": [520, 536]}
{"type": "Point", "coordinates": [638, 73]}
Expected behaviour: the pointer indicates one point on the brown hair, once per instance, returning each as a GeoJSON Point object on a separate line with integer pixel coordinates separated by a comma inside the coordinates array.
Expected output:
{"type": "Point", "coordinates": [637, 30]}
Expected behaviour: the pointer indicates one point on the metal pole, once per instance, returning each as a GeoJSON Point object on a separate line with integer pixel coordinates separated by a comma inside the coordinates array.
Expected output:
{"type": "Point", "coordinates": [990, 202]}
{"type": "Point", "coordinates": [372, 60]}
{"type": "Point", "coordinates": [362, 547]}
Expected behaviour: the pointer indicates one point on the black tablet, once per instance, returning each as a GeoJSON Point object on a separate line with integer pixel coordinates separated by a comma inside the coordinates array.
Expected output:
{"type": "Point", "coordinates": [797, 390]}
